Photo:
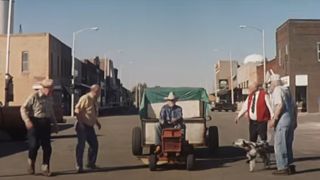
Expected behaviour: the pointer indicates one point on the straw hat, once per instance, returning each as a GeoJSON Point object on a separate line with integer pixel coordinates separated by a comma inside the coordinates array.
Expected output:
{"type": "Point", "coordinates": [47, 83]}
{"type": "Point", "coordinates": [171, 97]}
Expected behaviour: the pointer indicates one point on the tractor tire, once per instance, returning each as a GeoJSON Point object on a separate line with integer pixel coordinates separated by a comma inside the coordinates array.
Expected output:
{"type": "Point", "coordinates": [137, 141]}
{"type": "Point", "coordinates": [190, 164]}
{"type": "Point", "coordinates": [213, 139]}
{"type": "Point", "coordinates": [153, 162]}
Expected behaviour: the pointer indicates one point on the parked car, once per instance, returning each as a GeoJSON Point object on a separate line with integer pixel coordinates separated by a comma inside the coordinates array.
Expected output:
{"type": "Point", "coordinates": [224, 106]}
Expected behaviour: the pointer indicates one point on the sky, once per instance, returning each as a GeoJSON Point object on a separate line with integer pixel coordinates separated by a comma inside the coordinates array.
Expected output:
{"type": "Point", "coordinates": [163, 42]}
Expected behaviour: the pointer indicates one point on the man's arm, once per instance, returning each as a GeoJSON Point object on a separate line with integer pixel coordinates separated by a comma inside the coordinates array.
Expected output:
{"type": "Point", "coordinates": [162, 118]}
{"type": "Point", "coordinates": [268, 103]}
{"type": "Point", "coordinates": [53, 115]}
{"type": "Point", "coordinates": [278, 105]}
{"type": "Point", "coordinates": [243, 110]}
{"type": "Point", "coordinates": [80, 106]}
{"type": "Point", "coordinates": [25, 110]}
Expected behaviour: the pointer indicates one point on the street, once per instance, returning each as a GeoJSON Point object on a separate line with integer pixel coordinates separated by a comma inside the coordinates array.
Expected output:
{"type": "Point", "coordinates": [117, 162]}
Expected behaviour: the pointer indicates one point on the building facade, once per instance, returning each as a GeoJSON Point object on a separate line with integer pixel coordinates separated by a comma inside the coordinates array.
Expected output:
{"type": "Point", "coordinates": [223, 79]}
{"type": "Point", "coordinates": [34, 57]}
{"type": "Point", "coordinates": [298, 59]}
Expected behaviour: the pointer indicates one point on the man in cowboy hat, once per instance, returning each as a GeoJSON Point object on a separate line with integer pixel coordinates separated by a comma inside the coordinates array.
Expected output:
{"type": "Point", "coordinates": [38, 115]}
{"type": "Point", "coordinates": [284, 122]}
{"type": "Point", "coordinates": [170, 117]}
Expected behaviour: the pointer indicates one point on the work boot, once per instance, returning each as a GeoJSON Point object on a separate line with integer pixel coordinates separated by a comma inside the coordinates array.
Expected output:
{"type": "Point", "coordinates": [45, 170]}
{"type": "Point", "coordinates": [31, 167]}
{"type": "Point", "coordinates": [292, 169]}
{"type": "Point", "coordinates": [79, 169]}
{"type": "Point", "coordinates": [282, 172]}
{"type": "Point", "coordinates": [92, 166]}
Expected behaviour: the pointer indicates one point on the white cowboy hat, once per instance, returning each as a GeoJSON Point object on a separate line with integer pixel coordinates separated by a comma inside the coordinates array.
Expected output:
{"type": "Point", "coordinates": [171, 97]}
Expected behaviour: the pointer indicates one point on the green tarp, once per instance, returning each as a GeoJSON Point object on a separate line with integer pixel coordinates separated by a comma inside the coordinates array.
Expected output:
{"type": "Point", "coordinates": [157, 95]}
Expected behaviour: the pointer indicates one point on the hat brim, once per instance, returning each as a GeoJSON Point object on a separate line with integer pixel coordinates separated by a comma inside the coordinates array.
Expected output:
{"type": "Point", "coordinates": [46, 86]}
{"type": "Point", "coordinates": [170, 99]}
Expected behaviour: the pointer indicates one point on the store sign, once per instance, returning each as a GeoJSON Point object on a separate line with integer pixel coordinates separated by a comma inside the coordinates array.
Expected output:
{"type": "Point", "coordinates": [302, 80]}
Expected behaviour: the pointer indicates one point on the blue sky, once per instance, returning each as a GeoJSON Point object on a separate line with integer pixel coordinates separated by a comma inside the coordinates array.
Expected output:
{"type": "Point", "coordinates": [163, 42]}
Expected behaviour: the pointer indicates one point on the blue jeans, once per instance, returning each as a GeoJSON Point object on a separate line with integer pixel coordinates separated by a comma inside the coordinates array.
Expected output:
{"type": "Point", "coordinates": [85, 134]}
{"type": "Point", "coordinates": [283, 141]}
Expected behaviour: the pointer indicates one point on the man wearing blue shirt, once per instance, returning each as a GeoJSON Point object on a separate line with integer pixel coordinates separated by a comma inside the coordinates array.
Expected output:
{"type": "Point", "coordinates": [170, 117]}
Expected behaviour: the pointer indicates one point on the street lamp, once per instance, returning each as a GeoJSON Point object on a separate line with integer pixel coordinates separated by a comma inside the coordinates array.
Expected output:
{"type": "Point", "coordinates": [73, 62]}
{"type": "Point", "coordinates": [263, 48]}
{"type": "Point", "coordinates": [8, 77]}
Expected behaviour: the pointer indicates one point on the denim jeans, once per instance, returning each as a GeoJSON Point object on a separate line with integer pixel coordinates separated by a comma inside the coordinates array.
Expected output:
{"type": "Point", "coordinates": [85, 134]}
{"type": "Point", "coordinates": [283, 141]}
{"type": "Point", "coordinates": [38, 136]}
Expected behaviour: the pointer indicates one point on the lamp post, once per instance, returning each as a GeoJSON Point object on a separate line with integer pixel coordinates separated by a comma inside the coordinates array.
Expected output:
{"type": "Point", "coordinates": [73, 63]}
{"type": "Point", "coordinates": [231, 77]}
{"type": "Point", "coordinates": [8, 77]}
{"type": "Point", "coordinates": [263, 49]}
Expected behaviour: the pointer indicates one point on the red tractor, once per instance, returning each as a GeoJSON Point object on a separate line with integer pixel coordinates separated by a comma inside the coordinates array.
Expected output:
{"type": "Point", "coordinates": [174, 150]}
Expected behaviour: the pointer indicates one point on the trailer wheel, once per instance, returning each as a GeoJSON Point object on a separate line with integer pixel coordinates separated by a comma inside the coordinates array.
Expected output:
{"type": "Point", "coordinates": [136, 141]}
{"type": "Point", "coordinates": [190, 162]}
{"type": "Point", "coordinates": [153, 162]}
{"type": "Point", "coordinates": [213, 138]}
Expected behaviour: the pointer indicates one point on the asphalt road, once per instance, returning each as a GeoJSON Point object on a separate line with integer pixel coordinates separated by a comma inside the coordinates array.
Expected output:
{"type": "Point", "coordinates": [116, 161]}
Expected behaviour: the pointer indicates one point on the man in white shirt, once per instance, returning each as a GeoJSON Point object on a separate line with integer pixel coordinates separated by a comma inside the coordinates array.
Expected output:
{"type": "Point", "coordinates": [258, 109]}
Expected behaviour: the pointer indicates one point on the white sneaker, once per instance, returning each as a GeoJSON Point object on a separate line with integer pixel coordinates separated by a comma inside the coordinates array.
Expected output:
{"type": "Point", "coordinates": [45, 170]}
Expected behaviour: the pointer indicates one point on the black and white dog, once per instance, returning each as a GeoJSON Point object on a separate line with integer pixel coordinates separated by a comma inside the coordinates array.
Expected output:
{"type": "Point", "coordinates": [254, 150]}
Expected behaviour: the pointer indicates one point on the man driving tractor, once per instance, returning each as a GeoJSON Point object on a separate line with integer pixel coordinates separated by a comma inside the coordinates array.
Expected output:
{"type": "Point", "coordinates": [170, 117]}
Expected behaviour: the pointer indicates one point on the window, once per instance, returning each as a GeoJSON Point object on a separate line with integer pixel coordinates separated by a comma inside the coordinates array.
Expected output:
{"type": "Point", "coordinates": [318, 51]}
{"type": "Point", "coordinates": [287, 49]}
{"type": "Point", "coordinates": [24, 61]}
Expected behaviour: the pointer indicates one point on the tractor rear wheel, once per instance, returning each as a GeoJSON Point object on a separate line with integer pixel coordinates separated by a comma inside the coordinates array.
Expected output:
{"type": "Point", "coordinates": [137, 141]}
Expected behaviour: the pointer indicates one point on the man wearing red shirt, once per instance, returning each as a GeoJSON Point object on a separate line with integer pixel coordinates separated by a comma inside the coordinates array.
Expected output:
{"type": "Point", "coordinates": [258, 109]}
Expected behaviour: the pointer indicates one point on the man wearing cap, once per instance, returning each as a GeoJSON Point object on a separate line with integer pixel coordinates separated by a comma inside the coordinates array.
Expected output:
{"type": "Point", "coordinates": [170, 117]}
{"type": "Point", "coordinates": [38, 115]}
{"type": "Point", "coordinates": [87, 116]}
{"type": "Point", "coordinates": [285, 122]}
{"type": "Point", "coordinates": [258, 108]}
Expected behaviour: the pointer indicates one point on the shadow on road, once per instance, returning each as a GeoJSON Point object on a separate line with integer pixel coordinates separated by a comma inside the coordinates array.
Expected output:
{"type": "Point", "coordinates": [308, 171]}
{"type": "Point", "coordinates": [63, 127]}
{"type": "Point", "coordinates": [66, 136]}
{"type": "Point", "coordinates": [102, 169]}
{"type": "Point", "coordinates": [13, 147]}
{"type": "Point", "coordinates": [224, 155]}
{"type": "Point", "coordinates": [74, 172]}
{"type": "Point", "coordinates": [313, 158]}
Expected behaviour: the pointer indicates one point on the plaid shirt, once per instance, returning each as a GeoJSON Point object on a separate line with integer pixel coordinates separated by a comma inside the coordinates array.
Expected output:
{"type": "Point", "coordinates": [169, 115]}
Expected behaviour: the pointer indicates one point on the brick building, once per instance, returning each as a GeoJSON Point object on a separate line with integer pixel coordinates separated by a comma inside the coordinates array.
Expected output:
{"type": "Point", "coordinates": [298, 60]}
{"type": "Point", "coordinates": [34, 57]}
{"type": "Point", "coordinates": [223, 76]}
